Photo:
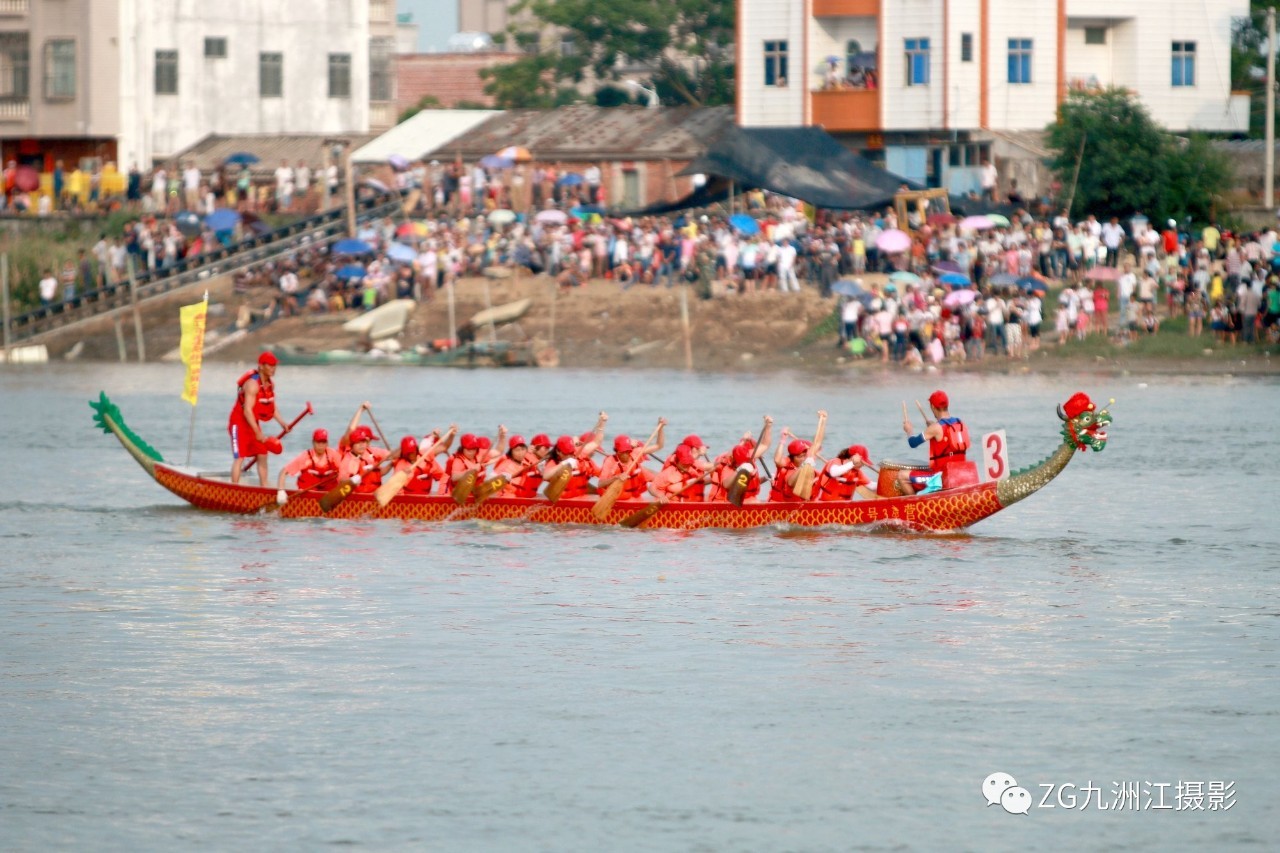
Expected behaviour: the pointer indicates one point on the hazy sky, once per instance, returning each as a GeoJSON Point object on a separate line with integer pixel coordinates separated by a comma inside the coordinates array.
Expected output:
{"type": "Point", "coordinates": [436, 20]}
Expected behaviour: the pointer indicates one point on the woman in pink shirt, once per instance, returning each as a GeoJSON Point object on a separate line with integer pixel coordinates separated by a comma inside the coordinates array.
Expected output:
{"type": "Point", "coordinates": [1101, 304]}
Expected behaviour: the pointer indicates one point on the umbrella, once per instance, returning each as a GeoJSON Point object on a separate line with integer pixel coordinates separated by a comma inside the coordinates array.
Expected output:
{"type": "Point", "coordinates": [188, 222]}
{"type": "Point", "coordinates": [833, 58]}
{"type": "Point", "coordinates": [1103, 274]}
{"type": "Point", "coordinates": [946, 266]}
{"type": "Point", "coordinates": [959, 298]}
{"type": "Point", "coordinates": [998, 219]}
{"type": "Point", "coordinates": [502, 217]}
{"type": "Point", "coordinates": [351, 272]}
{"type": "Point", "coordinates": [893, 240]}
{"type": "Point", "coordinates": [905, 277]}
{"type": "Point", "coordinates": [352, 247]}
{"type": "Point", "coordinates": [397, 162]}
{"type": "Point", "coordinates": [955, 279]}
{"type": "Point", "coordinates": [412, 229]}
{"type": "Point", "coordinates": [552, 217]}
{"type": "Point", "coordinates": [495, 161]}
{"type": "Point", "coordinates": [849, 287]}
{"type": "Point", "coordinates": [572, 179]}
{"type": "Point", "coordinates": [1030, 283]}
{"type": "Point", "coordinates": [517, 153]}
{"type": "Point", "coordinates": [401, 253]}
{"type": "Point", "coordinates": [976, 223]}
{"type": "Point", "coordinates": [241, 158]}
{"type": "Point", "coordinates": [585, 210]}
{"type": "Point", "coordinates": [222, 219]}
{"type": "Point", "coordinates": [1003, 279]}
{"type": "Point", "coordinates": [744, 223]}
{"type": "Point", "coordinates": [26, 179]}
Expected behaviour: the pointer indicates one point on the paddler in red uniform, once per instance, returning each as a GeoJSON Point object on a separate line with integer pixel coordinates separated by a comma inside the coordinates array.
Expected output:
{"type": "Point", "coordinates": [627, 464]}
{"type": "Point", "coordinates": [423, 469]}
{"type": "Point", "coordinates": [743, 456]}
{"type": "Point", "coordinates": [520, 466]}
{"type": "Point", "coordinates": [255, 402]}
{"type": "Point", "coordinates": [464, 461]}
{"type": "Point", "coordinates": [576, 456]}
{"type": "Point", "coordinates": [360, 464]}
{"type": "Point", "coordinates": [314, 466]}
{"type": "Point", "coordinates": [677, 481]}
{"type": "Point", "coordinates": [698, 449]}
{"type": "Point", "coordinates": [948, 439]}
{"type": "Point", "coordinates": [843, 477]}
{"type": "Point", "coordinates": [790, 458]}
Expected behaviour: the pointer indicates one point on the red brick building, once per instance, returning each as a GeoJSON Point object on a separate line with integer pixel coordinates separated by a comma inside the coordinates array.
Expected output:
{"type": "Point", "coordinates": [448, 77]}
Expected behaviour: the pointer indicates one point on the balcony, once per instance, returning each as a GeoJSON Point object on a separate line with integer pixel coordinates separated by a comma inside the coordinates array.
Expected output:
{"type": "Point", "coordinates": [380, 11]}
{"type": "Point", "coordinates": [846, 8]}
{"type": "Point", "coordinates": [847, 109]}
{"type": "Point", "coordinates": [9, 8]}
{"type": "Point", "coordinates": [14, 109]}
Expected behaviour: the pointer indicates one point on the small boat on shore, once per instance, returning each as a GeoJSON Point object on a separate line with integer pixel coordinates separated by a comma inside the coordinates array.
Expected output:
{"type": "Point", "coordinates": [947, 510]}
{"type": "Point", "coordinates": [472, 354]}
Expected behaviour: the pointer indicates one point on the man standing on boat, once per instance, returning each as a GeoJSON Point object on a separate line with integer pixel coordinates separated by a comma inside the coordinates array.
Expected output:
{"type": "Point", "coordinates": [948, 439]}
{"type": "Point", "coordinates": [255, 404]}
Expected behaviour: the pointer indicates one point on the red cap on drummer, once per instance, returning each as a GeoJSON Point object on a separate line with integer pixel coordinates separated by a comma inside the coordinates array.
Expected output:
{"type": "Point", "coordinates": [938, 399]}
{"type": "Point", "coordinates": [321, 434]}
{"type": "Point", "coordinates": [268, 358]}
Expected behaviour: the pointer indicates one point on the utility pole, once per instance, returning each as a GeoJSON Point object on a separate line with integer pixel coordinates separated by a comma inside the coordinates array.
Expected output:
{"type": "Point", "coordinates": [1269, 180]}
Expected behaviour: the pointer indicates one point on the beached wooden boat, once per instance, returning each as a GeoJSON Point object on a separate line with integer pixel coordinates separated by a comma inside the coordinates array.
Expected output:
{"type": "Point", "coordinates": [499, 314]}
{"type": "Point", "coordinates": [475, 354]}
{"type": "Point", "coordinates": [947, 510]}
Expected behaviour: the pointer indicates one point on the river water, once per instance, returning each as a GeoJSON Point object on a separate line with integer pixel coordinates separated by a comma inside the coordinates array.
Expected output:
{"type": "Point", "coordinates": [174, 679]}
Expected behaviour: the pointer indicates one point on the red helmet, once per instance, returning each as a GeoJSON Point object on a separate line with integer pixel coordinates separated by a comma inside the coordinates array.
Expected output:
{"type": "Point", "coordinates": [361, 433]}
{"type": "Point", "coordinates": [859, 450]}
{"type": "Point", "coordinates": [797, 447]}
{"type": "Point", "coordinates": [541, 440]}
{"type": "Point", "coordinates": [684, 455]}
{"type": "Point", "coordinates": [321, 434]}
{"type": "Point", "coordinates": [408, 446]}
{"type": "Point", "coordinates": [469, 442]}
{"type": "Point", "coordinates": [741, 454]}
{"type": "Point", "coordinates": [484, 442]}
{"type": "Point", "coordinates": [938, 399]}
{"type": "Point", "coordinates": [268, 358]}
{"type": "Point", "coordinates": [516, 441]}
{"type": "Point", "coordinates": [589, 435]}
{"type": "Point", "coordinates": [623, 444]}
{"type": "Point", "coordinates": [692, 441]}
{"type": "Point", "coordinates": [565, 445]}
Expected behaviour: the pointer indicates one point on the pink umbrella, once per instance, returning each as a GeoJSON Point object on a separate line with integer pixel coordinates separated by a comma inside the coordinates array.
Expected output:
{"type": "Point", "coordinates": [893, 240]}
{"type": "Point", "coordinates": [1104, 274]}
{"type": "Point", "coordinates": [959, 298]}
{"type": "Point", "coordinates": [976, 223]}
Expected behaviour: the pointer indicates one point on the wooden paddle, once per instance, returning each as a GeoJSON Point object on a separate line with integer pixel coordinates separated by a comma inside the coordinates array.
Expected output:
{"type": "Point", "coordinates": [805, 476]}
{"type": "Point", "coordinates": [381, 434]}
{"type": "Point", "coordinates": [558, 482]}
{"type": "Point", "coordinates": [492, 486]}
{"type": "Point", "coordinates": [340, 492]}
{"type": "Point", "coordinates": [396, 483]}
{"type": "Point", "coordinates": [273, 442]}
{"type": "Point", "coordinates": [650, 509]}
{"type": "Point", "coordinates": [462, 488]}
{"type": "Point", "coordinates": [604, 504]}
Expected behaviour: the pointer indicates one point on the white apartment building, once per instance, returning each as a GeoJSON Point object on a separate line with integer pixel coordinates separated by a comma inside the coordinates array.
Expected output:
{"type": "Point", "coordinates": [929, 86]}
{"type": "Point", "coordinates": [135, 81]}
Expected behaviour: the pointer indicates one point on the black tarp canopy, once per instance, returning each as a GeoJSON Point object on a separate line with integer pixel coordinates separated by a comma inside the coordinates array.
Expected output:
{"type": "Point", "coordinates": [801, 162]}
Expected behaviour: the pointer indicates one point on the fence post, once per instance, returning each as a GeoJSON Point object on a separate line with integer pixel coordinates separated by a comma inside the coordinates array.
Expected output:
{"type": "Point", "coordinates": [137, 314]}
{"type": "Point", "coordinates": [4, 285]}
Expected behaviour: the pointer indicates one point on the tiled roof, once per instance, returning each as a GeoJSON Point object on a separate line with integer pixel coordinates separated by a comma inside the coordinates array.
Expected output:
{"type": "Point", "coordinates": [210, 152]}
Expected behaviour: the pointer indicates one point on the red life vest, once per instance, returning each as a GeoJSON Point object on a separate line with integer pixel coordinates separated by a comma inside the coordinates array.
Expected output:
{"type": "Point", "coordinates": [422, 476]}
{"type": "Point", "coordinates": [720, 493]}
{"type": "Point", "coordinates": [371, 479]}
{"type": "Point", "coordinates": [636, 483]}
{"type": "Point", "coordinates": [839, 488]}
{"type": "Point", "coordinates": [779, 490]}
{"type": "Point", "coordinates": [951, 447]}
{"type": "Point", "coordinates": [458, 464]}
{"type": "Point", "coordinates": [264, 406]}
{"type": "Point", "coordinates": [316, 471]}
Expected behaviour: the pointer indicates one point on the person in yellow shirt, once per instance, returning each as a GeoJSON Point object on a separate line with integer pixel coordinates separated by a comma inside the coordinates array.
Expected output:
{"type": "Point", "coordinates": [1215, 287]}
{"type": "Point", "coordinates": [1212, 238]}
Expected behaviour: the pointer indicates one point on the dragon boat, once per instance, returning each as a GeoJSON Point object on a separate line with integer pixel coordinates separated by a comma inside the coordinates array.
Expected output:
{"type": "Point", "coordinates": [1083, 428]}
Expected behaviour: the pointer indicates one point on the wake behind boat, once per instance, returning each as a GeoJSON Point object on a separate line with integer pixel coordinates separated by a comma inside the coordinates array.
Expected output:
{"type": "Point", "coordinates": [1083, 428]}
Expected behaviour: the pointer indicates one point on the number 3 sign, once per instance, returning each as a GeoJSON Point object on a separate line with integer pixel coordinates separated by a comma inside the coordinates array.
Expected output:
{"type": "Point", "coordinates": [995, 455]}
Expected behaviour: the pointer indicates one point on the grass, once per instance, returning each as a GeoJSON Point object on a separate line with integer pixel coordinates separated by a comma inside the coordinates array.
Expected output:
{"type": "Point", "coordinates": [1171, 342]}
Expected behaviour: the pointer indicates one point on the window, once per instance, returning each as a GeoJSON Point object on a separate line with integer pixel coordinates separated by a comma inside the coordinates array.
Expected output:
{"type": "Point", "coordinates": [775, 63]}
{"type": "Point", "coordinates": [1184, 63]}
{"type": "Point", "coordinates": [966, 47]}
{"type": "Point", "coordinates": [60, 70]}
{"type": "Point", "coordinates": [380, 50]}
{"type": "Point", "coordinates": [568, 47]}
{"type": "Point", "coordinates": [1019, 61]}
{"type": "Point", "coordinates": [270, 75]}
{"type": "Point", "coordinates": [215, 47]}
{"type": "Point", "coordinates": [166, 72]}
{"type": "Point", "coordinates": [15, 67]}
{"type": "Point", "coordinates": [917, 62]}
{"type": "Point", "coordinates": [1095, 35]}
{"type": "Point", "coordinates": [339, 75]}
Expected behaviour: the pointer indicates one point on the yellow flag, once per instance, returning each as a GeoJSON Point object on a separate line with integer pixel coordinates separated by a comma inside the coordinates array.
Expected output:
{"type": "Point", "coordinates": [192, 346]}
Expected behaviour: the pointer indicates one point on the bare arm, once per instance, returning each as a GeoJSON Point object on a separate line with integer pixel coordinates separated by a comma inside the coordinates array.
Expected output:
{"type": "Point", "coordinates": [766, 438]}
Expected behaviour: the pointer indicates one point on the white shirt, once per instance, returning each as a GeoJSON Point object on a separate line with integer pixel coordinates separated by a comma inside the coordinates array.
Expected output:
{"type": "Point", "coordinates": [284, 178]}
{"type": "Point", "coordinates": [191, 178]}
{"type": "Point", "coordinates": [48, 287]}
{"type": "Point", "coordinates": [303, 176]}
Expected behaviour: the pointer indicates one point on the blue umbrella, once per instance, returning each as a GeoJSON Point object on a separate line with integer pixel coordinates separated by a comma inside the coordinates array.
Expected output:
{"type": "Point", "coordinates": [572, 179]}
{"type": "Point", "coordinates": [352, 247]}
{"type": "Point", "coordinates": [188, 222]}
{"type": "Point", "coordinates": [241, 158]}
{"type": "Point", "coordinates": [1030, 283]}
{"type": "Point", "coordinates": [222, 219]}
{"type": "Point", "coordinates": [351, 272]}
{"type": "Point", "coordinates": [1002, 279]}
{"type": "Point", "coordinates": [493, 161]}
{"type": "Point", "coordinates": [744, 223]}
{"type": "Point", "coordinates": [850, 288]}
{"type": "Point", "coordinates": [401, 253]}
{"type": "Point", "coordinates": [955, 279]}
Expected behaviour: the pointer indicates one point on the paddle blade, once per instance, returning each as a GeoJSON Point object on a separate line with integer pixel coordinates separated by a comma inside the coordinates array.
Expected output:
{"type": "Point", "coordinates": [273, 444]}
{"type": "Point", "coordinates": [462, 488]}
{"type": "Point", "coordinates": [557, 484]}
{"type": "Point", "coordinates": [738, 488]}
{"type": "Point", "coordinates": [607, 499]}
{"type": "Point", "coordinates": [640, 516]}
{"type": "Point", "coordinates": [804, 482]}
{"type": "Point", "coordinates": [392, 487]}
{"type": "Point", "coordinates": [489, 488]}
{"type": "Point", "coordinates": [336, 495]}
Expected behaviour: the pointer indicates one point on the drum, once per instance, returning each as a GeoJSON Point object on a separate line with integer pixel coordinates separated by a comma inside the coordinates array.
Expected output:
{"type": "Point", "coordinates": [888, 486]}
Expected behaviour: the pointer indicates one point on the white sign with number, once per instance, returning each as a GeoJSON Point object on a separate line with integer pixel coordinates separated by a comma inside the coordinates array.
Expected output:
{"type": "Point", "coordinates": [995, 455]}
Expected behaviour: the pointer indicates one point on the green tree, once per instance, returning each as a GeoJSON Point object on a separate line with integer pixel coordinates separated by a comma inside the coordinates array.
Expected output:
{"type": "Point", "coordinates": [598, 39]}
{"type": "Point", "coordinates": [1113, 159]}
{"type": "Point", "coordinates": [1248, 60]}
{"type": "Point", "coordinates": [426, 102]}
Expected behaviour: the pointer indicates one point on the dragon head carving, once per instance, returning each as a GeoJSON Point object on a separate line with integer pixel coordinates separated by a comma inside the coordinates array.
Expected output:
{"type": "Point", "coordinates": [1084, 424]}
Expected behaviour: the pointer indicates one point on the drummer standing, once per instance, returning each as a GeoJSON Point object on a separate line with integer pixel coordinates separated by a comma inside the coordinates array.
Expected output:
{"type": "Point", "coordinates": [255, 402]}
{"type": "Point", "coordinates": [948, 439]}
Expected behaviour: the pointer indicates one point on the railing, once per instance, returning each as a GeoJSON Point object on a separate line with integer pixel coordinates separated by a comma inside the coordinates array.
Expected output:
{"type": "Point", "coordinates": [13, 109]}
{"type": "Point", "coordinates": [321, 229]}
{"type": "Point", "coordinates": [847, 109]}
{"type": "Point", "coordinates": [14, 7]}
{"type": "Point", "coordinates": [382, 114]}
{"type": "Point", "coordinates": [846, 8]}
{"type": "Point", "coordinates": [381, 12]}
